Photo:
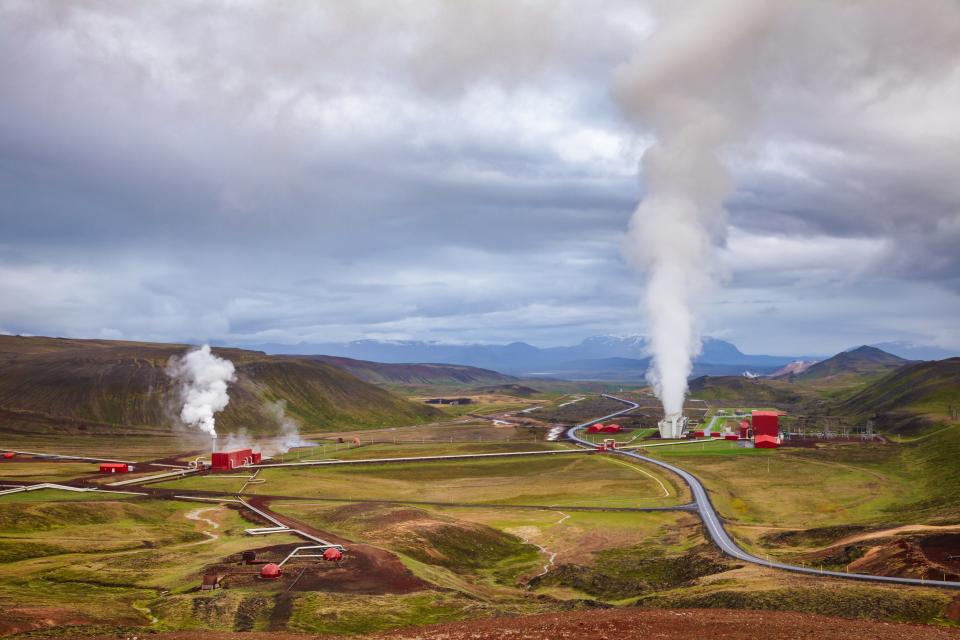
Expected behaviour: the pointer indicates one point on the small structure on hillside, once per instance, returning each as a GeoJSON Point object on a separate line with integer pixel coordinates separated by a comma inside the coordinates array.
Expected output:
{"type": "Point", "coordinates": [595, 428]}
{"type": "Point", "coordinates": [115, 467]}
{"type": "Point", "coordinates": [449, 401]}
{"type": "Point", "coordinates": [612, 428]}
{"type": "Point", "coordinates": [210, 582]}
{"type": "Point", "coordinates": [8, 454]}
{"type": "Point", "coordinates": [271, 571]}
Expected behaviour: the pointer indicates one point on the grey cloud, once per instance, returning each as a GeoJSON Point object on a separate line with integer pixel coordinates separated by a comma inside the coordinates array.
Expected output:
{"type": "Point", "coordinates": [333, 170]}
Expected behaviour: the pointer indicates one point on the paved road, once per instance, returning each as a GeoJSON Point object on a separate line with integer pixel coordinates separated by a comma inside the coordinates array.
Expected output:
{"type": "Point", "coordinates": [719, 535]}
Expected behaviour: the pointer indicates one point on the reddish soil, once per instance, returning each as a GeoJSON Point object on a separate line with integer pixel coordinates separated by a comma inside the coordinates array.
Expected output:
{"type": "Point", "coordinates": [633, 624]}
{"type": "Point", "coordinates": [943, 549]}
{"type": "Point", "coordinates": [31, 618]}
{"type": "Point", "coordinates": [366, 569]}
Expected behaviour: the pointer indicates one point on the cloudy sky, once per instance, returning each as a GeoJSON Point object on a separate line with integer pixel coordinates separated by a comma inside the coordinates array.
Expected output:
{"type": "Point", "coordinates": [257, 172]}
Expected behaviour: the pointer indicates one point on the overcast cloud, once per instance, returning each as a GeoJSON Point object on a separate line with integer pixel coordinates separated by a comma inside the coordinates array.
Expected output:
{"type": "Point", "coordinates": [458, 171]}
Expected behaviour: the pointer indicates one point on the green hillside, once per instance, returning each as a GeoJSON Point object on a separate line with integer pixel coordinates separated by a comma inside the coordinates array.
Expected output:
{"type": "Point", "coordinates": [46, 383]}
{"type": "Point", "coordinates": [924, 389]}
{"type": "Point", "coordinates": [739, 388]}
{"type": "Point", "coordinates": [416, 374]}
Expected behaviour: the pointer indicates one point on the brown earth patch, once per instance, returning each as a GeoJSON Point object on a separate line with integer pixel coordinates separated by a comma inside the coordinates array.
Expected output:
{"type": "Point", "coordinates": [943, 549]}
{"type": "Point", "coordinates": [19, 619]}
{"type": "Point", "coordinates": [631, 624]}
{"type": "Point", "coordinates": [366, 569]}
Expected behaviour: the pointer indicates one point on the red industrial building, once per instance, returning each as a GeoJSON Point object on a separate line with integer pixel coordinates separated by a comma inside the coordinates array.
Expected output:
{"type": "Point", "coordinates": [115, 467]}
{"type": "Point", "coordinates": [766, 423]}
{"type": "Point", "coordinates": [227, 460]}
{"type": "Point", "coordinates": [766, 429]}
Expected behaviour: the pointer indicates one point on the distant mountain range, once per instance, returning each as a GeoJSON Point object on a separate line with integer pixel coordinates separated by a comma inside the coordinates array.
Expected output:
{"type": "Point", "coordinates": [596, 358]}
{"type": "Point", "coordinates": [909, 351]}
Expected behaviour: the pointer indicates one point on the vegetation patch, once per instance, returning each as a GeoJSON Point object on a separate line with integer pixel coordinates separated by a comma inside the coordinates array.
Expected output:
{"type": "Point", "coordinates": [618, 574]}
{"type": "Point", "coordinates": [849, 602]}
{"type": "Point", "coordinates": [344, 614]}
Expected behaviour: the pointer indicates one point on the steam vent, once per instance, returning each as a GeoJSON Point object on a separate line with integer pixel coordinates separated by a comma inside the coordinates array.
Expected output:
{"type": "Point", "coordinates": [673, 426]}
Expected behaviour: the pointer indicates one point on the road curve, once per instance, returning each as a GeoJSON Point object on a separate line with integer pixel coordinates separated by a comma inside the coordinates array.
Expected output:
{"type": "Point", "coordinates": [714, 525]}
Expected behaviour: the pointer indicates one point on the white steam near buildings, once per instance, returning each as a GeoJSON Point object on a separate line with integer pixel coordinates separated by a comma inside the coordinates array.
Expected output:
{"type": "Point", "coordinates": [203, 378]}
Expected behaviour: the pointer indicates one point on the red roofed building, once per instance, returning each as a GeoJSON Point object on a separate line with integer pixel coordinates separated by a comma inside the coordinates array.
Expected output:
{"type": "Point", "coordinates": [766, 442]}
{"type": "Point", "coordinates": [612, 428]}
{"type": "Point", "coordinates": [595, 428]}
{"type": "Point", "coordinates": [114, 467]}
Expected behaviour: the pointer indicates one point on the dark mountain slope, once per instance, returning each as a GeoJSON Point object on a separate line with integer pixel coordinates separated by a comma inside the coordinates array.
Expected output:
{"type": "Point", "coordinates": [416, 374]}
{"type": "Point", "coordinates": [863, 362]}
{"type": "Point", "coordinates": [124, 383]}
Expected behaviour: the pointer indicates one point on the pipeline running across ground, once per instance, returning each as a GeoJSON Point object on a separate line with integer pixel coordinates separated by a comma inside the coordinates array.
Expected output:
{"type": "Point", "coordinates": [714, 525]}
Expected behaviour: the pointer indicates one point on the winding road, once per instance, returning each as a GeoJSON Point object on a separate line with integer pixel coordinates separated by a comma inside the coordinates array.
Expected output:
{"type": "Point", "coordinates": [714, 525]}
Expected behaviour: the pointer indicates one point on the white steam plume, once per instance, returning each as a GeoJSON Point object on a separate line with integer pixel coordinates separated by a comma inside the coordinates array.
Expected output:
{"type": "Point", "coordinates": [691, 85]}
{"type": "Point", "coordinates": [203, 379]}
{"type": "Point", "coordinates": [289, 436]}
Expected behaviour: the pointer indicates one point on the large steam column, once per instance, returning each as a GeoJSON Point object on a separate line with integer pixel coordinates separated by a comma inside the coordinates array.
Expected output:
{"type": "Point", "coordinates": [673, 426]}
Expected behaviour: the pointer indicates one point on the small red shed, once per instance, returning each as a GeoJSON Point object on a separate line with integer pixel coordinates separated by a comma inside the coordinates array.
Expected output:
{"type": "Point", "coordinates": [271, 571]}
{"type": "Point", "coordinates": [744, 429]}
{"type": "Point", "coordinates": [332, 555]}
{"type": "Point", "coordinates": [115, 467]}
{"type": "Point", "coordinates": [612, 428]}
{"type": "Point", "coordinates": [595, 428]}
{"type": "Point", "coordinates": [8, 454]}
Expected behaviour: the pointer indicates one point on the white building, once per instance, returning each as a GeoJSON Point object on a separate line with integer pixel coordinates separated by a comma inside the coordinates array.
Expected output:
{"type": "Point", "coordinates": [673, 427]}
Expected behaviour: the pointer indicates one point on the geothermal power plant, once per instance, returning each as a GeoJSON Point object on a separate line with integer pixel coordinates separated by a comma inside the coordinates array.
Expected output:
{"type": "Point", "coordinates": [673, 426]}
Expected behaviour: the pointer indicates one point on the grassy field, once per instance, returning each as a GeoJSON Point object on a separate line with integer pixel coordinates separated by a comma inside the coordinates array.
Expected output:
{"type": "Point", "coordinates": [572, 480]}
{"type": "Point", "coordinates": [45, 471]}
{"type": "Point", "coordinates": [798, 488]}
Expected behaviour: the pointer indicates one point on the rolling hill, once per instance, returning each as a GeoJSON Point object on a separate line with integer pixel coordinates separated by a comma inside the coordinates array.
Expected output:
{"type": "Point", "coordinates": [416, 374]}
{"type": "Point", "coordinates": [852, 366]}
{"type": "Point", "coordinates": [52, 383]}
{"type": "Point", "coordinates": [746, 390]}
{"type": "Point", "coordinates": [921, 389]}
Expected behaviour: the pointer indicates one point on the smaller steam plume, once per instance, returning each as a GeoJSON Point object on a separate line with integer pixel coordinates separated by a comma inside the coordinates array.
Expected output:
{"type": "Point", "coordinates": [289, 430]}
{"type": "Point", "coordinates": [203, 378]}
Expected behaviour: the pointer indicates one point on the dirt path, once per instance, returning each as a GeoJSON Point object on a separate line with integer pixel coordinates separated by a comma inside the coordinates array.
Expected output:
{"type": "Point", "coordinates": [524, 534]}
{"type": "Point", "coordinates": [197, 515]}
{"type": "Point", "coordinates": [897, 531]}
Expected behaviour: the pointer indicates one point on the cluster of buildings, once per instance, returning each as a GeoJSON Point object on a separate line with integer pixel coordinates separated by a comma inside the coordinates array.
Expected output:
{"type": "Point", "coordinates": [599, 427]}
{"type": "Point", "coordinates": [763, 429]}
